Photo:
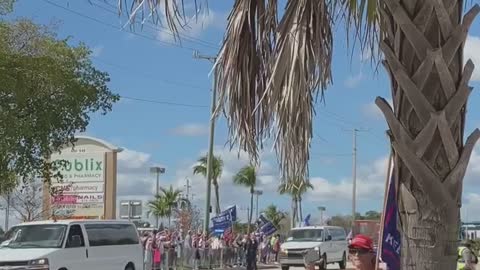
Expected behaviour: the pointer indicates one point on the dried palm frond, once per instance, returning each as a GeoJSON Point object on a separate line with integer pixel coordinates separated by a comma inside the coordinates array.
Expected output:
{"type": "Point", "coordinates": [170, 11]}
{"type": "Point", "coordinates": [301, 71]}
{"type": "Point", "coordinates": [243, 71]}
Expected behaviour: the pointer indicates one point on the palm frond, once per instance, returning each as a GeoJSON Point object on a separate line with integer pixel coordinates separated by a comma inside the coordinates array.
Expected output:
{"type": "Point", "coordinates": [361, 16]}
{"type": "Point", "coordinates": [300, 72]}
{"type": "Point", "coordinates": [169, 12]}
{"type": "Point", "coordinates": [243, 71]}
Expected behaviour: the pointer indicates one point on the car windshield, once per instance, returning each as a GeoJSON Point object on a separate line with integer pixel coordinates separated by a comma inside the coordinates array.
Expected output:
{"type": "Point", "coordinates": [35, 236]}
{"type": "Point", "coordinates": [306, 235]}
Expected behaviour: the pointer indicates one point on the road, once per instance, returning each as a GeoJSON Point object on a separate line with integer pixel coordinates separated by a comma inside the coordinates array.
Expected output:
{"type": "Point", "coordinates": [330, 266]}
{"type": "Point", "coordinates": [335, 266]}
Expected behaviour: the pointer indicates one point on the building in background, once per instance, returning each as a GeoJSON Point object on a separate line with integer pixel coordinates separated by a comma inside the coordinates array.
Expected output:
{"type": "Point", "coordinates": [88, 188]}
{"type": "Point", "coordinates": [470, 230]}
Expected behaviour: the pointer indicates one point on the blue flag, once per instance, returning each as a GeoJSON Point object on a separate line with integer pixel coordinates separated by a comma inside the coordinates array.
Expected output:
{"type": "Point", "coordinates": [306, 221]}
{"type": "Point", "coordinates": [225, 219]}
{"type": "Point", "coordinates": [391, 241]}
{"type": "Point", "coordinates": [265, 226]}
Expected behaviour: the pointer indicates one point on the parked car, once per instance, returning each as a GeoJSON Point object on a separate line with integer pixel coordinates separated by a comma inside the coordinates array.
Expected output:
{"type": "Point", "coordinates": [72, 245]}
{"type": "Point", "coordinates": [330, 242]}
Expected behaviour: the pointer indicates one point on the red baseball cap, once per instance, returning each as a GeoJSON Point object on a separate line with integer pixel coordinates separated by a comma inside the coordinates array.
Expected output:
{"type": "Point", "coordinates": [361, 241]}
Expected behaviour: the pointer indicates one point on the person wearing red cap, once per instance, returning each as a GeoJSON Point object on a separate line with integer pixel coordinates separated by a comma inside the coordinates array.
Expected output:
{"type": "Point", "coordinates": [361, 252]}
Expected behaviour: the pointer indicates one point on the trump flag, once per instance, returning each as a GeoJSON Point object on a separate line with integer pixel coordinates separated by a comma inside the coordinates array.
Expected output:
{"type": "Point", "coordinates": [391, 240]}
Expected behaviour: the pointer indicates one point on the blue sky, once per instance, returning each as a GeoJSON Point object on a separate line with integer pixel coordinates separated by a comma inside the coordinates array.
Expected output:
{"type": "Point", "coordinates": [144, 66]}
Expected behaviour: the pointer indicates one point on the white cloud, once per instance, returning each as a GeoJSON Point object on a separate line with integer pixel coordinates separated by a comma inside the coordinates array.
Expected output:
{"type": "Point", "coordinates": [190, 130]}
{"type": "Point", "coordinates": [353, 81]}
{"type": "Point", "coordinates": [194, 28]}
{"type": "Point", "coordinates": [129, 160]}
{"type": "Point", "coordinates": [372, 111]}
{"type": "Point", "coordinates": [471, 51]}
{"type": "Point", "coordinates": [97, 50]}
{"type": "Point", "coordinates": [370, 185]}
{"type": "Point", "coordinates": [473, 171]}
{"type": "Point", "coordinates": [471, 207]}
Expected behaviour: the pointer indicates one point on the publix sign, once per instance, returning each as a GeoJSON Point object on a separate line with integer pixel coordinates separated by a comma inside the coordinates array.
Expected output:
{"type": "Point", "coordinates": [82, 167]}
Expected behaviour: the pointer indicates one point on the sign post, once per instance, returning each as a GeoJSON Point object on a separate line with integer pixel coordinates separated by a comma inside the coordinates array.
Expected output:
{"type": "Point", "coordinates": [87, 186]}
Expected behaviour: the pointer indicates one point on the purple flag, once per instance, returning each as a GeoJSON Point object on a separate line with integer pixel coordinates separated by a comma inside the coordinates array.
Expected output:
{"type": "Point", "coordinates": [391, 240]}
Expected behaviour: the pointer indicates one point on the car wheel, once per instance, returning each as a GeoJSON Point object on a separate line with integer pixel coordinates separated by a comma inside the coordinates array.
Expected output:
{"type": "Point", "coordinates": [129, 267]}
{"type": "Point", "coordinates": [323, 262]}
{"type": "Point", "coordinates": [343, 263]}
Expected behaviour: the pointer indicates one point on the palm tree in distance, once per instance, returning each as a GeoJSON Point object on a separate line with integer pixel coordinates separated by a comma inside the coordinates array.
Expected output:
{"type": "Point", "coordinates": [247, 177]}
{"type": "Point", "coordinates": [272, 73]}
{"type": "Point", "coordinates": [217, 167]}
{"type": "Point", "coordinates": [283, 189]}
{"type": "Point", "coordinates": [301, 186]}
{"type": "Point", "coordinates": [165, 203]}
{"type": "Point", "coordinates": [274, 215]}
{"type": "Point", "coordinates": [157, 207]}
{"type": "Point", "coordinates": [296, 188]}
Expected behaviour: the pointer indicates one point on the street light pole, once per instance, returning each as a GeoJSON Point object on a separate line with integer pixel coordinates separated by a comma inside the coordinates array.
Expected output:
{"type": "Point", "coordinates": [196, 55]}
{"type": "Point", "coordinates": [258, 193]}
{"type": "Point", "coordinates": [321, 209]}
{"type": "Point", "coordinates": [157, 170]}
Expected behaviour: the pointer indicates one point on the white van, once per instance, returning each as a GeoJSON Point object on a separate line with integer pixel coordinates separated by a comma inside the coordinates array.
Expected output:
{"type": "Point", "coordinates": [329, 241]}
{"type": "Point", "coordinates": [72, 245]}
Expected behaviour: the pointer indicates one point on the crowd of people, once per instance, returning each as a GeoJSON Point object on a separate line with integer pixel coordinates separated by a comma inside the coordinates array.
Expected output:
{"type": "Point", "coordinates": [166, 249]}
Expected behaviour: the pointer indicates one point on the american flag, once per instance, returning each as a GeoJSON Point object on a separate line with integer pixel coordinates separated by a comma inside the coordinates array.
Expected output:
{"type": "Point", "coordinates": [228, 235]}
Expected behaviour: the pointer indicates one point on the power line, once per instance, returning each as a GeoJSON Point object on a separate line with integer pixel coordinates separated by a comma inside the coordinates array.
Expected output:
{"type": "Point", "coordinates": [116, 27]}
{"type": "Point", "coordinates": [149, 75]}
{"type": "Point", "coordinates": [164, 102]}
{"type": "Point", "coordinates": [162, 28]}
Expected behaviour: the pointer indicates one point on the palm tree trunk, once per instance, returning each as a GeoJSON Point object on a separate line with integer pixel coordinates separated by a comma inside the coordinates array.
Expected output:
{"type": "Point", "coordinates": [217, 199]}
{"type": "Point", "coordinates": [169, 217]}
{"type": "Point", "coordinates": [251, 212]}
{"type": "Point", "coordinates": [423, 55]}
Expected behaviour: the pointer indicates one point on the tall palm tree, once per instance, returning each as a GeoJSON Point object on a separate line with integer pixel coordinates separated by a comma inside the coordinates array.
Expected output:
{"type": "Point", "coordinates": [296, 188]}
{"type": "Point", "coordinates": [217, 168]}
{"type": "Point", "coordinates": [301, 186]}
{"type": "Point", "coordinates": [285, 188]}
{"type": "Point", "coordinates": [274, 215]}
{"type": "Point", "coordinates": [271, 75]}
{"type": "Point", "coordinates": [247, 177]}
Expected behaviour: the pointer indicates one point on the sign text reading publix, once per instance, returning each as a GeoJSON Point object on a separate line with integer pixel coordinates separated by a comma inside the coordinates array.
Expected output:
{"type": "Point", "coordinates": [83, 165]}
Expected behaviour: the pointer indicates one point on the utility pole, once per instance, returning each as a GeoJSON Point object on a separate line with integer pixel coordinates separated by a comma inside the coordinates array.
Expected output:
{"type": "Point", "coordinates": [354, 175]}
{"type": "Point", "coordinates": [212, 59]}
